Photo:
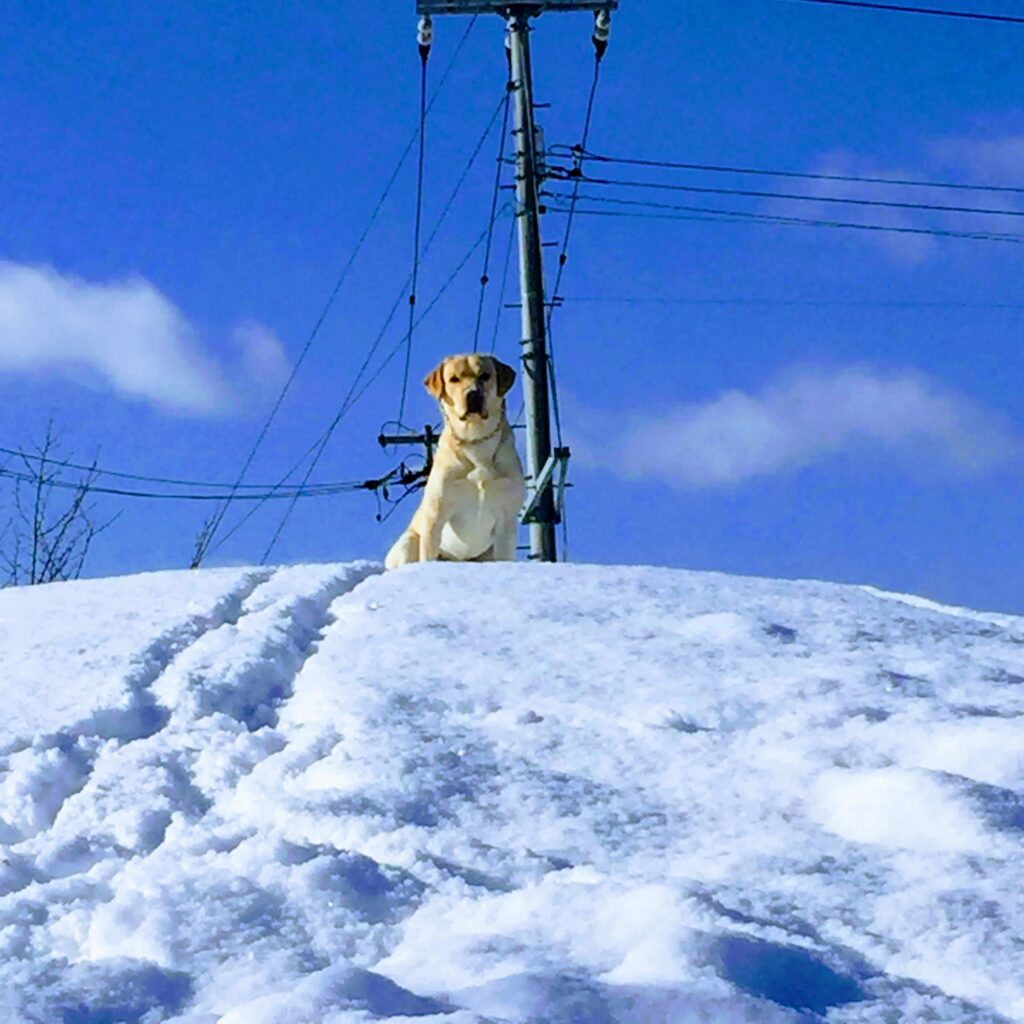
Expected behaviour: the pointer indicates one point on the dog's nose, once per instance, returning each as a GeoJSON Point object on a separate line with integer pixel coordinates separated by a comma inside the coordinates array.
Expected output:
{"type": "Point", "coordinates": [475, 401]}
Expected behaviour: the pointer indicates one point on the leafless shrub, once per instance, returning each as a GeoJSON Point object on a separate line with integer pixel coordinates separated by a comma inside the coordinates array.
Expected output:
{"type": "Point", "coordinates": [52, 527]}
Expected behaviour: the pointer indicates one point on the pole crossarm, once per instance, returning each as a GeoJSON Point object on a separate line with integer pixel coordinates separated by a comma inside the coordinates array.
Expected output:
{"type": "Point", "coordinates": [428, 439]}
{"type": "Point", "coordinates": [509, 6]}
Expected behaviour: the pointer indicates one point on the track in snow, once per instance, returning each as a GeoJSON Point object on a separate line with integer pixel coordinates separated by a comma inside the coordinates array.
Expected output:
{"type": "Point", "coordinates": [234, 663]}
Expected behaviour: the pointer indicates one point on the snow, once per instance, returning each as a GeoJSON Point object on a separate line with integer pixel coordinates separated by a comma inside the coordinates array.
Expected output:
{"type": "Point", "coordinates": [507, 794]}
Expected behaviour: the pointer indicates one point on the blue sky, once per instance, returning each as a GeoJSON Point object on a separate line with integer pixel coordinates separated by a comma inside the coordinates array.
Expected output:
{"type": "Point", "coordinates": [182, 185]}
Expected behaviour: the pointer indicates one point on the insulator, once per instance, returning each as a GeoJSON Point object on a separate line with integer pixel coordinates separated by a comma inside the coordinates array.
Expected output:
{"type": "Point", "coordinates": [425, 35]}
{"type": "Point", "coordinates": [602, 31]}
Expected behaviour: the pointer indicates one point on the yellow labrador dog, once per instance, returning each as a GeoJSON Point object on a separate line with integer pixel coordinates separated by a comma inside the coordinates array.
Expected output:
{"type": "Point", "coordinates": [470, 507]}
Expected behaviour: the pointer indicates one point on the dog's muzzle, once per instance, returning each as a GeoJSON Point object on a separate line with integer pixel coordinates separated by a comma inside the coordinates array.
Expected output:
{"type": "Point", "coordinates": [476, 403]}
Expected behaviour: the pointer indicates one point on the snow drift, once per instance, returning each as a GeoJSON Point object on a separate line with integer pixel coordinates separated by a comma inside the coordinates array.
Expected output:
{"type": "Point", "coordinates": [545, 794]}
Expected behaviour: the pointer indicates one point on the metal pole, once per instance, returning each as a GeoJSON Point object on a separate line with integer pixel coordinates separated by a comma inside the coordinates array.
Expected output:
{"type": "Point", "coordinates": [531, 277]}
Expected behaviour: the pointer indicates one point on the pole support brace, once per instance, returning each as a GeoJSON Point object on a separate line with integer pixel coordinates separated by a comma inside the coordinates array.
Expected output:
{"type": "Point", "coordinates": [558, 463]}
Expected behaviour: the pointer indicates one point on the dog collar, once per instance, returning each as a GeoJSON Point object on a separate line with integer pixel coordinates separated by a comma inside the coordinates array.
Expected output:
{"type": "Point", "coordinates": [475, 440]}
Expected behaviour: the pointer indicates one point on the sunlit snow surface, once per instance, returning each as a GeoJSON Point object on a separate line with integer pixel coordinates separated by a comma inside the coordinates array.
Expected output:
{"type": "Point", "coordinates": [464, 794]}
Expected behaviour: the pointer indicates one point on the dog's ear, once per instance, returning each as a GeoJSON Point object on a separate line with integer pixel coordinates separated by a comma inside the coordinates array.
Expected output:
{"type": "Point", "coordinates": [506, 377]}
{"type": "Point", "coordinates": [434, 381]}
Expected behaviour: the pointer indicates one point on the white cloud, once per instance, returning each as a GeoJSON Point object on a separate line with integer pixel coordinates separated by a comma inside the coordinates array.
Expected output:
{"type": "Point", "coordinates": [127, 336]}
{"type": "Point", "coordinates": [997, 160]}
{"type": "Point", "coordinates": [801, 419]}
{"type": "Point", "coordinates": [262, 355]}
{"type": "Point", "coordinates": [901, 242]}
{"type": "Point", "coordinates": [969, 160]}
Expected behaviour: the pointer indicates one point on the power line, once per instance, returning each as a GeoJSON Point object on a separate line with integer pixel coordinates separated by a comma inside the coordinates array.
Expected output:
{"type": "Point", "coordinates": [732, 218]}
{"type": "Point", "coordinates": [503, 104]}
{"type": "Point", "coordinates": [657, 300]}
{"type": "Point", "coordinates": [322, 440]}
{"type": "Point", "coordinates": [578, 153]}
{"type": "Point", "coordinates": [470, 164]}
{"type": "Point", "coordinates": [317, 491]}
{"type": "Point", "coordinates": [223, 486]}
{"type": "Point", "coordinates": [663, 211]}
{"type": "Point", "coordinates": [495, 195]}
{"type": "Point", "coordinates": [504, 283]}
{"type": "Point", "coordinates": [905, 9]}
{"type": "Point", "coordinates": [353, 397]}
{"type": "Point", "coordinates": [796, 197]}
{"type": "Point", "coordinates": [444, 288]}
{"type": "Point", "coordinates": [416, 255]}
{"type": "Point", "coordinates": [563, 258]}
{"type": "Point", "coordinates": [280, 486]}
{"type": "Point", "coordinates": [804, 175]}
{"type": "Point", "coordinates": [218, 517]}
{"type": "Point", "coordinates": [446, 209]}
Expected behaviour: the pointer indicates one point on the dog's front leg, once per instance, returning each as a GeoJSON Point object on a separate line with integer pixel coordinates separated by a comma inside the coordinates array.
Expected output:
{"type": "Point", "coordinates": [431, 526]}
{"type": "Point", "coordinates": [509, 495]}
{"type": "Point", "coordinates": [506, 538]}
{"type": "Point", "coordinates": [405, 550]}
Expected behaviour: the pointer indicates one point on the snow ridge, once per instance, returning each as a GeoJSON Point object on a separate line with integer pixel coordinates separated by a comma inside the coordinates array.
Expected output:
{"type": "Point", "coordinates": [507, 795]}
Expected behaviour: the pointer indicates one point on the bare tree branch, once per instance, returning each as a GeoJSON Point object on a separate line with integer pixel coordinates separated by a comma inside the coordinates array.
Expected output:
{"type": "Point", "coordinates": [48, 538]}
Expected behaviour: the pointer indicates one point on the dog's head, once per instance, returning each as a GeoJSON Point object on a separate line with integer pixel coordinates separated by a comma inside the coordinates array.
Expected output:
{"type": "Point", "coordinates": [473, 387]}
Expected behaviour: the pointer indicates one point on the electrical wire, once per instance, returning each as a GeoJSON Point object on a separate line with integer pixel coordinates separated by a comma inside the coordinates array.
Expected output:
{"type": "Point", "coordinates": [563, 258]}
{"type": "Point", "coordinates": [448, 284]}
{"type": "Point", "coordinates": [485, 275]}
{"type": "Point", "coordinates": [503, 104]}
{"type": "Point", "coordinates": [662, 211]}
{"type": "Point", "coordinates": [218, 517]}
{"type": "Point", "coordinates": [579, 155]}
{"type": "Point", "coordinates": [656, 300]}
{"type": "Point", "coordinates": [569, 151]}
{"type": "Point", "coordinates": [416, 243]}
{"type": "Point", "coordinates": [563, 255]}
{"type": "Point", "coordinates": [353, 396]}
{"type": "Point", "coordinates": [504, 283]}
{"type": "Point", "coordinates": [255, 508]}
{"type": "Point", "coordinates": [803, 222]}
{"type": "Point", "coordinates": [444, 288]}
{"type": "Point", "coordinates": [446, 209]}
{"type": "Point", "coordinates": [470, 164]}
{"type": "Point", "coordinates": [906, 9]}
{"type": "Point", "coordinates": [796, 197]}
{"type": "Point", "coordinates": [317, 491]}
{"type": "Point", "coordinates": [99, 471]}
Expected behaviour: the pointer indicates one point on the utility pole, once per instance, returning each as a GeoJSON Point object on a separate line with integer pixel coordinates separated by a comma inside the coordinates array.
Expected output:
{"type": "Point", "coordinates": [543, 465]}
{"type": "Point", "coordinates": [531, 285]}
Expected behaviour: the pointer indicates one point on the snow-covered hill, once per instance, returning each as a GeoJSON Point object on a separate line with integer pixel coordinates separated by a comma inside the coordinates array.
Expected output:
{"type": "Point", "coordinates": [546, 794]}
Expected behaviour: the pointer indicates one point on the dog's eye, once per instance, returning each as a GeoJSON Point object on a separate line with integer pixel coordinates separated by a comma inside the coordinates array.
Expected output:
{"type": "Point", "coordinates": [453, 380]}
{"type": "Point", "coordinates": [485, 376]}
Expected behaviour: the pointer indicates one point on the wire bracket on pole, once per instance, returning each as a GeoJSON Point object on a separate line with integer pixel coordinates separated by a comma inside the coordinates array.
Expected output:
{"type": "Point", "coordinates": [409, 478]}
{"type": "Point", "coordinates": [428, 439]}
